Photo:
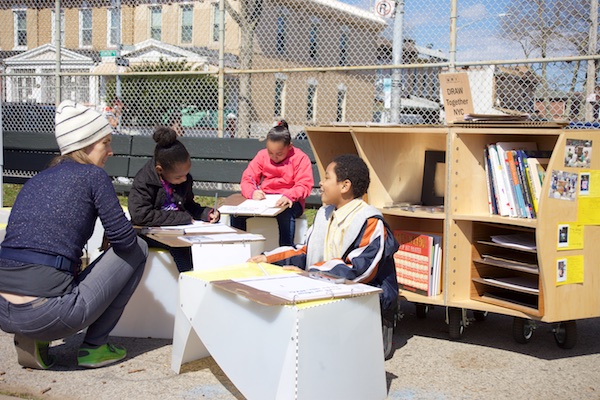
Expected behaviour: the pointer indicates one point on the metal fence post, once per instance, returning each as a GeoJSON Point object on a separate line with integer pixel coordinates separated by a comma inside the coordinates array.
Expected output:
{"type": "Point", "coordinates": [590, 84]}
{"type": "Point", "coordinates": [453, 32]}
{"type": "Point", "coordinates": [221, 83]}
{"type": "Point", "coordinates": [397, 50]}
{"type": "Point", "coordinates": [58, 49]}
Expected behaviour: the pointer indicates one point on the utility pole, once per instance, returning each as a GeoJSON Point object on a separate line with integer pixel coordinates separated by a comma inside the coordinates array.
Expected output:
{"type": "Point", "coordinates": [57, 92]}
{"type": "Point", "coordinates": [398, 41]}
{"type": "Point", "coordinates": [117, 6]}
{"type": "Point", "coordinates": [590, 84]}
{"type": "Point", "coordinates": [221, 84]}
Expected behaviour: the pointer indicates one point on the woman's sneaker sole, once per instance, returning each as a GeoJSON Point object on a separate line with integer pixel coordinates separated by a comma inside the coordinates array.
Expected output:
{"type": "Point", "coordinates": [33, 353]}
{"type": "Point", "coordinates": [100, 356]}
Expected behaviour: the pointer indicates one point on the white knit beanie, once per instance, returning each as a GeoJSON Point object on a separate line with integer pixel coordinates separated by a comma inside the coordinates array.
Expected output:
{"type": "Point", "coordinates": [78, 126]}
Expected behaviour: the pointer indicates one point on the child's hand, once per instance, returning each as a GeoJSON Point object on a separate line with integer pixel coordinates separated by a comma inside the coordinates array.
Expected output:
{"type": "Point", "coordinates": [258, 195]}
{"type": "Point", "coordinates": [261, 258]}
{"type": "Point", "coordinates": [292, 268]}
{"type": "Point", "coordinates": [214, 216]}
{"type": "Point", "coordinates": [284, 202]}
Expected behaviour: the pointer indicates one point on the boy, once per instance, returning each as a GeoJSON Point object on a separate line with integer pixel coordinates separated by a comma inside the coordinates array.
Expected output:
{"type": "Point", "coordinates": [348, 238]}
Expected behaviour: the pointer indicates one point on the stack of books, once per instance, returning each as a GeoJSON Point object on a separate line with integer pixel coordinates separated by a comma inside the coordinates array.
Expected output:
{"type": "Point", "coordinates": [514, 174]}
{"type": "Point", "coordinates": [418, 262]}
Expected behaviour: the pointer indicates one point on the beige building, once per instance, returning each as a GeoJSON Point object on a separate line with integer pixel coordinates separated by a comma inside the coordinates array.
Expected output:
{"type": "Point", "coordinates": [290, 34]}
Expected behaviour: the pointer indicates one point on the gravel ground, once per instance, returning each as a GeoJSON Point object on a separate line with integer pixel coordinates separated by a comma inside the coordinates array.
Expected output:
{"type": "Point", "coordinates": [486, 364]}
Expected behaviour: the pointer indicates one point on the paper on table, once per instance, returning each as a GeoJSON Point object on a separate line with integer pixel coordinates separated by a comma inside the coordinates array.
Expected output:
{"type": "Point", "coordinates": [221, 238]}
{"type": "Point", "coordinates": [254, 207]}
{"type": "Point", "coordinates": [210, 228]}
{"type": "Point", "coordinates": [299, 288]}
{"type": "Point", "coordinates": [186, 226]}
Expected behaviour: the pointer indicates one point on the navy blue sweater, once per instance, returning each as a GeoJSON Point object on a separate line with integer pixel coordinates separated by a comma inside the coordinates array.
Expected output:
{"type": "Point", "coordinates": [55, 212]}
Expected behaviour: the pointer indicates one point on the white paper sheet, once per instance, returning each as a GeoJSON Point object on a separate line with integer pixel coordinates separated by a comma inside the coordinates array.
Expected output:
{"type": "Point", "coordinates": [302, 288]}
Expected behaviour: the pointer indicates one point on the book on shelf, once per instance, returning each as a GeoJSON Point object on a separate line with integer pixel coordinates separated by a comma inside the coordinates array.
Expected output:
{"type": "Point", "coordinates": [516, 184]}
{"type": "Point", "coordinates": [536, 171]}
{"type": "Point", "coordinates": [525, 181]}
{"type": "Point", "coordinates": [504, 205]}
{"type": "Point", "coordinates": [511, 180]}
{"type": "Point", "coordinates": [418, 262]}
{"type": "Point", "coordinates": [492, 195]}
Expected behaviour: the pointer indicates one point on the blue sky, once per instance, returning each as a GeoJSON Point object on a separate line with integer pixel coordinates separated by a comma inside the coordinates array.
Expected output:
{"type": "Point", "coordinates": [428, 22]}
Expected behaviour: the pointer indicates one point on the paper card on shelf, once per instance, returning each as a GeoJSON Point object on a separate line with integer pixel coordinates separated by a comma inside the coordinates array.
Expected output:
{"type": "Point", "coordinates": [456, 93]}
{"type": "Point", "coordinates": [569, 270]}
{"type": "Point", "coordinates": [524, 241]}
{"type": "Point", "coordinates": [570, 236]}
{"type": "Point", "coordinates": [588, 210]}
{"type": "Point", "coordinates": [589, 183]}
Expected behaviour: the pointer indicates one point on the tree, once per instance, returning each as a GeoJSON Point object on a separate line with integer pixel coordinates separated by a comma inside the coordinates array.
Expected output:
{"type": "Point", "coordinates": [543, 28]}
{"type": "Point", "coordinates": [247, 19]}
{"type": "Point", "coordinates": [148, 100]}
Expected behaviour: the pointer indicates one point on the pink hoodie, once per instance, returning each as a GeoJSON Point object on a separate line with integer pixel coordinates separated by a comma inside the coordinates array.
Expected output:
{"type": "Point", "coordinates": [292, 177]}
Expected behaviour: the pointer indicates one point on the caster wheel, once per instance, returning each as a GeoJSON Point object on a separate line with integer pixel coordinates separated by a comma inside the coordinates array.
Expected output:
{"type": "Point", "coordinates": [523, 330]}
{"type": "Point", "coordinates": [565, 334]}
{"type": "Point", "coordinates": [422, 310]}
{"type": "Point", "coordinates": [456, 326]}
{"type": "Point", "coordinates": [480, 315]}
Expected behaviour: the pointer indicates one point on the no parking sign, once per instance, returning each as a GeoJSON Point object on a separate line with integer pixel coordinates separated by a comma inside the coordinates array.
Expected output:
{"type": "Point", "coordinates": [385, 8]}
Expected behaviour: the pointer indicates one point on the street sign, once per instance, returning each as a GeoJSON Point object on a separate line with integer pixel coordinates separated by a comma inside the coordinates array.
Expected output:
{"type": "Point", "coordinates": [108, 53]}
{"type": "Point", "coordinates": [384, 8]}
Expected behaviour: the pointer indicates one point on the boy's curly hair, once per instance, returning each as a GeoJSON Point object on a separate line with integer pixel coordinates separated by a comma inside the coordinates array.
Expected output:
{"type": "Point", "coordinates": [353, 168]}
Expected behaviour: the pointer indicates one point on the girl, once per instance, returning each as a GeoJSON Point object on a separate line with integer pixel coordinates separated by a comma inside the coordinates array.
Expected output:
{"type": "Point", "coordinates": [162, 193]}
{"type": "Point", "coordinates": [44, 295]}
{"type": "Point", "coordinates": [279, 169]}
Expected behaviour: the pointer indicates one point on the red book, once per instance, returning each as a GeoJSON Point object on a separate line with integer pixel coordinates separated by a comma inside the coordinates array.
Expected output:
{"type": "Point", "coordinates": [414, 260]}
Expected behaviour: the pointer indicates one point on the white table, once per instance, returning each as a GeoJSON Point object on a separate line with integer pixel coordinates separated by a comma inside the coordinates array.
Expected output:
{"type": "Point", "coordinates": [152, 308]}
{"type": "Point", "coordinates": [318, 350]}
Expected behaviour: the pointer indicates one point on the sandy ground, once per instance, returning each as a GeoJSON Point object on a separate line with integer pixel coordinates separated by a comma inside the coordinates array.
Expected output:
{"type": "Point", "coordinates": [486, 364]}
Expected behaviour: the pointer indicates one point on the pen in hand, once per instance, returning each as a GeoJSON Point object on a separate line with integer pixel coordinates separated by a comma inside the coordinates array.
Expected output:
{"type": "Point", "coordinates": [215, 212]}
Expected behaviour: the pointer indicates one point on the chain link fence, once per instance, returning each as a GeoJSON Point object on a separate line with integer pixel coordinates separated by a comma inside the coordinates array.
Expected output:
{"type": "Point", "coordinates": [230, 68]}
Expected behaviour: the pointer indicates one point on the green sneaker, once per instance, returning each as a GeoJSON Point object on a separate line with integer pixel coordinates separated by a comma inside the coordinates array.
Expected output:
{"type": "Point", "coordinates": [100, 356]}
{"type": "Point", "coordinates": [33, 353]}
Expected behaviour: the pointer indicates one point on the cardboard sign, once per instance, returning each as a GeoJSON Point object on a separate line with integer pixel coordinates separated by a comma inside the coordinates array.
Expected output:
{"type": "Point", "coordinates": [456, 93]}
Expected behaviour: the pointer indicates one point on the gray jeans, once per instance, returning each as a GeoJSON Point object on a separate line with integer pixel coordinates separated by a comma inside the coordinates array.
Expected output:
{"type": "Point", "coordinates": [96, 302]}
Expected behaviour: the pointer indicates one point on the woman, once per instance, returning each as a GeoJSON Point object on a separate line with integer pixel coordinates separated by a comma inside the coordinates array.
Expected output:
{"type": "Point", "coordinates": [44, 294]}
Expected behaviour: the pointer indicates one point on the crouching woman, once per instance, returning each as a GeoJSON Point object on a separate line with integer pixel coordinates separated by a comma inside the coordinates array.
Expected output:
{"type": "Point", "coordinates": [44, 294]}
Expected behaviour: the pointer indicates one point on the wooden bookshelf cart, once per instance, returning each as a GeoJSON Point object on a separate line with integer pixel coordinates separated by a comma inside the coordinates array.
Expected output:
{"type": "Point", "coordinates": [395, 157]}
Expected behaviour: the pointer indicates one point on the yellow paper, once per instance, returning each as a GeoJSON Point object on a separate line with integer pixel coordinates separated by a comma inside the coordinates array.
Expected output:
{"type": "Point", "coordinates": [569, 270]}
{"type": "Point", "coordinates": [570, 236]}
{"type": "Point", "coordinates": [244, 270]}
{"type": "Point", "coordinates": [589, 183]}
{"type": "Point", "coordinates": [588, 210]}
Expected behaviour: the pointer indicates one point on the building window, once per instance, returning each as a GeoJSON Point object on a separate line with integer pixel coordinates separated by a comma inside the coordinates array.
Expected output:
{"type": "Point", "coordinates": [341, 104]}
{"type": "Point", "coordinates": [187, 21]}
{"type": "Point", "coordinates": [156, 22]}
{"type": "Point", "coordinates": [85, 27]}
{"type": "Point", "coordinates": [20, 22]}
{"type": "Point", "coordinates": [344, 47]}
{"type": "Point", "coordinates": [281, 33]}
{"type": "Point", "coordinates": [311, 101]}
{"type": "Point", "coordinates": [62, 27]}
{"type": "Point", "coordinates": [216, 19]}
{"type": "Point", "coordinates": [279, 109]}
{"type": "Point", "coordinates": [114, 27]}
{"type": "Point", "coordinates": [22, 89]}
{"type": "Point", "coordinates": [313, 40]}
